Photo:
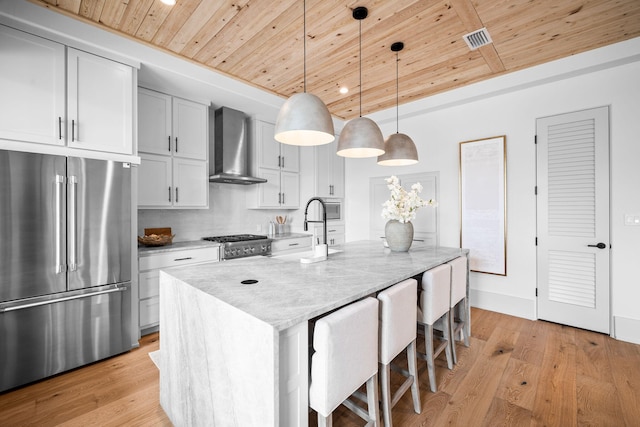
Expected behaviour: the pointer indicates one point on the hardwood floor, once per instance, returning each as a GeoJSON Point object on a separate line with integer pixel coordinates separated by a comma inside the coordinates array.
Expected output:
{"type": "Point", "coordinates": [515, 373]}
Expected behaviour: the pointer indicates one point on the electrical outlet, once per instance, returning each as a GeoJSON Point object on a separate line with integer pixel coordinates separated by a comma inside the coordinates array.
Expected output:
{"type": "Point", "coordinates": [631, 219]}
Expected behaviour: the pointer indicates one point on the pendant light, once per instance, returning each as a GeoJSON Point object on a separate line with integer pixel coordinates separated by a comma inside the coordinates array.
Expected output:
{"type": "Point", "coordinates": [304, 119]}
{"type": "Point", "coordinates": [361, 137]}
{"type": "Point", "coordinates": [399, 149]}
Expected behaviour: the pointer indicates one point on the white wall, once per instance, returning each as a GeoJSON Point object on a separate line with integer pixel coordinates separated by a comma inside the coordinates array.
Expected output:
{"type": "Point", "coordinates": [437, 133]}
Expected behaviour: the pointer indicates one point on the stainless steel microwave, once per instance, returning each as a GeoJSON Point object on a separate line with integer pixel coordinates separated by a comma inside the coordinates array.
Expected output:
{"type": "Point", "coordinates": [334, 210]}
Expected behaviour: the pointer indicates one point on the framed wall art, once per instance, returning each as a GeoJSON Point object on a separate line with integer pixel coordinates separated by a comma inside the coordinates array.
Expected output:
{"type": "Point", "coordinates": [483, 204]}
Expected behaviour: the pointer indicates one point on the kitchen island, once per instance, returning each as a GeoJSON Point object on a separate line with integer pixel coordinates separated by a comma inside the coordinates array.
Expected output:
{"type": "Point", "coordinates": [234, 335]}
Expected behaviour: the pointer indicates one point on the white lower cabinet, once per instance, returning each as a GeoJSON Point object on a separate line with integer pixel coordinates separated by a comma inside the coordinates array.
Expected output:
{"type": "Point", "coordinates": [149, 267]}
{"type": "Point", "coordinates": [296, 244]}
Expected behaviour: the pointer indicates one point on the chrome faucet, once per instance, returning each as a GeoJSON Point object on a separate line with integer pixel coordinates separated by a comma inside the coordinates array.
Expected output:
{"type": "Point", "coordinates": [324, 219]}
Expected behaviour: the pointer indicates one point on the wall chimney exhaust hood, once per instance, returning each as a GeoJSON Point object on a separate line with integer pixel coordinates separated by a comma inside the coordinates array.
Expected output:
{"type": "Point", "coordinates": [228, 143]}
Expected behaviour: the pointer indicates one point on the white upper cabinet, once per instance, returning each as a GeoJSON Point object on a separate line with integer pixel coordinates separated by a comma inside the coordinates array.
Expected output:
{"type": "Point", "coordinates": [155, 181]}
{"type": "Point", "coordinates": [273, 154]}
{"type": "Point", "coordinates": [329, 171]}
{"type": "Point", "coordinates": [154, 122]}
{"type": "Point", "coordinates": [83, 102]}
{"type": "Point", "coordinates": [99, 103]}
{"type": "Point", "coordinates": [173, 145]}
{"type": "Point", "coordinates": [279, 164]}
{"type": "Point", "coordinates": [32, 104]}
{"type": "Point", "coordinates": [191, 190]}
{"type": "Point", "coordinates": [189, 129]}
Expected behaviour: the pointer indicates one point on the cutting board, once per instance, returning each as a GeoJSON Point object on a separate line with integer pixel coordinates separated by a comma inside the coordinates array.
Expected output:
{"type": "Point", "coordinates": [158, 231]}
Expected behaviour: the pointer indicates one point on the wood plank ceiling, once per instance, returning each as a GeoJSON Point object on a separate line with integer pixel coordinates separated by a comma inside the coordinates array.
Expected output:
{"type": "Point", "coordinates": [260, 41]}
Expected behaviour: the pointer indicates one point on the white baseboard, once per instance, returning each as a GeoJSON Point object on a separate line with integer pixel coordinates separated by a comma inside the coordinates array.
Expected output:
{"type": "Point", "coordinates": [626, 329]}
{"type": "Point", "coordinates": [506, 304]}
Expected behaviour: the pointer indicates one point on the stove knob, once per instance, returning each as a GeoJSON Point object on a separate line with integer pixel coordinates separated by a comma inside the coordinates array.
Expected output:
{"type": "Point", "coordinates": [253, 249]}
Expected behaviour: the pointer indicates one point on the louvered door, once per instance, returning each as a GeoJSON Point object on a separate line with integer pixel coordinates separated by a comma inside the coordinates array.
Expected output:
{"type": "Point", "coordinates": [573, 219]}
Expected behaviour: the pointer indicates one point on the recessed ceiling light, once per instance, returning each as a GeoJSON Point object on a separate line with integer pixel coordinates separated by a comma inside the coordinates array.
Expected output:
{"type": "Point", "coordinates": [169, 2]}
{"type": "Point", "coordinates": [344, 90]}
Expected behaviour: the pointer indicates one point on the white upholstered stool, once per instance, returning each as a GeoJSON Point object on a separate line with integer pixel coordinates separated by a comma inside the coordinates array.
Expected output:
{"type": "Point", "coordinates": [397, 333]}
{"type": "Point", "coordinates": [346, 356]}
{"type": "Point", "coordinates": [434, 306]}
{"type": "Point", "coordinates": [459, 307]}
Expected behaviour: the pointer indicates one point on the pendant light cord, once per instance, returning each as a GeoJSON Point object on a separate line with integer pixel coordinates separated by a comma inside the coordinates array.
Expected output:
{"type": "Point", "coordinates": [360, 57]}
{"type": "Point", "coordinates": [397, 91]}
{"type": "Point", "coordinates": [304, 44]}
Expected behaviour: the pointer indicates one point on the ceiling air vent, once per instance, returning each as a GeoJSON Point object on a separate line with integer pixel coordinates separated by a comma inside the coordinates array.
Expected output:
{"type": "Point", "coordinates": [477, 38]}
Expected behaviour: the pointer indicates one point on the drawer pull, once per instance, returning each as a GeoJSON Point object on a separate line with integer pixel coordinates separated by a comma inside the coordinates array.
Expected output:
{"type": "Point", "coordinates": [294, 244]}
{"type": "Point", "coordinates": [183, 259]}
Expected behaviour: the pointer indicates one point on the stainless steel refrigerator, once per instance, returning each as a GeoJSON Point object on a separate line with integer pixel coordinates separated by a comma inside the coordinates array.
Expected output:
{"type": "Point", "coordinates": [65, 264]}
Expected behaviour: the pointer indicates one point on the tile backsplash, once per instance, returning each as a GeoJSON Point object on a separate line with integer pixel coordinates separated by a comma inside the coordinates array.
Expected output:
{"type": "Point", "coordinates": [227, 214]}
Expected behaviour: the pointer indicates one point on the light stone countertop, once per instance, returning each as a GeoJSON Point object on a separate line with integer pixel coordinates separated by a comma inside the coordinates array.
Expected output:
{"type": "Point", "coordinates": [288, 292]}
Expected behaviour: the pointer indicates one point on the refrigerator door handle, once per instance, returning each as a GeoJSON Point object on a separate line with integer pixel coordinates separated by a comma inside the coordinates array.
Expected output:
{"type": "Point", "coordinates": [55, 300]}
{"type": "Point", "coordinates": [73, 202]}
{"type": "Point", "coordinates": [60, 266]}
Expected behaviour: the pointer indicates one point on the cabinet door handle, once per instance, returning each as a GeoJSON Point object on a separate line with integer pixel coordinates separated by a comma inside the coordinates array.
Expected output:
{"type": "Point", "coordinates": [176, 194]}
{"type": "Point", "coordinates": [599, 246]}
{"type": "Point", "coordinates": [279, 198]}
{"type": "Point", "coordinates": [169, 141]}
{"type": "Point", "coordinates": [59, 127]}
{"type": "Point", "coordinates": [283, 198]}
{"type": "Point", "coordinates": [169, 193]}
{"type": "Point", "coordinates": [279, 157]}
{"type": "Point", "coordinates": [176, 144]}
{"type": "Point", "coordinates": [73, 130]}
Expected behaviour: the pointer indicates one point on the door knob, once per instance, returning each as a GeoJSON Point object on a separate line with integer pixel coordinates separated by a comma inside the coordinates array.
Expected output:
{"type": "Point", "coordinates": [599, 246]}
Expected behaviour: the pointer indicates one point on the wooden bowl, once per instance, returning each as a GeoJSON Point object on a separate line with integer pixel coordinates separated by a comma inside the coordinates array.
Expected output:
{"type": "Point", "coordinates": [156, 239]}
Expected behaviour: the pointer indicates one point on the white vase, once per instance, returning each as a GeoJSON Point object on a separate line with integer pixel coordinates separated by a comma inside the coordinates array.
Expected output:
{"type": "Point", "coordinates": [399, 235]}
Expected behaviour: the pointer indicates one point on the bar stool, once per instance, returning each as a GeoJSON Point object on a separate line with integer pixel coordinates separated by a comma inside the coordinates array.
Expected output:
{"type": "Point", "coordinates": [434, 306]}
{"type": "Point", "coordinates": [397, 333]}
{"type": "Point", "coordinates": [346, 356]}
{"type": "Point", "coordinates": [459, 309]}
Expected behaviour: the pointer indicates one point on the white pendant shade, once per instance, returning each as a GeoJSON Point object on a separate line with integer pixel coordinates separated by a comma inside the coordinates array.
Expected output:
{"type": "Point", "coordinates": [399, 150]}
{"type": "Point", "coordinates": [304, 120]}
{"type": "Point", "coordinates": [360, 138]}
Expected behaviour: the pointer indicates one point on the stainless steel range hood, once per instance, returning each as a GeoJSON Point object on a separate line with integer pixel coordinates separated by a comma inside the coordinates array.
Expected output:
{"type": "Point", "coordinates": [229, 145]}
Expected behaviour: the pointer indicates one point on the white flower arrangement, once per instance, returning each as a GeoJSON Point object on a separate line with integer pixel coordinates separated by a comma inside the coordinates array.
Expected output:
{"type": "Point", "coordinates": [403, 204]}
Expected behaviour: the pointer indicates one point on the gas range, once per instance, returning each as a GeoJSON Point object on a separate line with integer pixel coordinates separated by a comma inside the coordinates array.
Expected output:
{"type": "Point", "coordinates": [242, 245]}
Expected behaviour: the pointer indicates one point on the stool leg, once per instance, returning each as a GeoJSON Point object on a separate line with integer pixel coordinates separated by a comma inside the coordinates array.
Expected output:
{"type": "Point", "coordinates": [415, 389]}
{"type": "Point", "coordinates": [325, 421]}
{"type": "Point", "coordinates": [431, 368]}
{"type": "Point", "coordinates": [372, 400]}
{"type": "Point", "coordinates": [464, 315]}
{"type": "Point", "coordinates": [452, 335]}
{"type": "Point", "coordinates": [385, 386]}
{"type": "Point", "coordinates": [447, 332]}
